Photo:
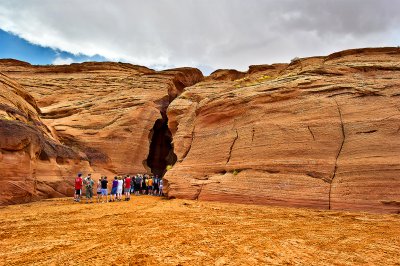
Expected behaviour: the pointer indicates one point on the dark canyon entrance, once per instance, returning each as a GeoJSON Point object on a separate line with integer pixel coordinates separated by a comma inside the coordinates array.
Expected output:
{"type": "Point", "coordinates": [161, 151]}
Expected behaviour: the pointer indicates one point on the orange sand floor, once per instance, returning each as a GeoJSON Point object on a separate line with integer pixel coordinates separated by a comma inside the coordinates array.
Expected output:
{"type": "Point", "coordinates": [153, 231]}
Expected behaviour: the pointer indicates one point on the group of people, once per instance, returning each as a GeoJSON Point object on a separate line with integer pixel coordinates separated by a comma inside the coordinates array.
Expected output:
{"type": "Point", "coordinates": [140, 184]}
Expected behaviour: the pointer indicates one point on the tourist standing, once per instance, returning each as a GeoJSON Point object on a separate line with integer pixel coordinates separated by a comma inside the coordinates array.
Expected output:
{"type": "Point", "coordinates": [89, 188]}
{"type": "Point", "coordinates": [155, 185]}
{"type": "Point", "coordinates": [104, 189]}
{"type": "Point", "coordinates": [150, 185]}
{"type": "Point", "coordinates": [128, 188]}
{"type": "Point", "coordinates": [78, 188]}
{"type": "Point", "coordinates": [160, 186]}
{"type": "Point", "coordinates": [146, 181]}
{"type": "Point", "coordinates": [138, 184]}
{"type": "Point", "coordinates": [144, 184]}
{"type": "Point", "coordinates": [132, 185]}
{"type": "Point", "coordinates": [99, 189]}
{"type": "Point", "coordinates": [114, 188]}
{"type": "Point", "coordinates": [119, 188]}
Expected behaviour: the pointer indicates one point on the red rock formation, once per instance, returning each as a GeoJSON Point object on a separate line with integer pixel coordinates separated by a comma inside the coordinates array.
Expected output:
{"type": "Point", "coordinates": [33, 164]}
{"type": "Point", "coordinates": [226, 74]}
{"type": "Point", "coordinates": [321, 132]}
{"type": "Point", "coordinates": [104, 110]}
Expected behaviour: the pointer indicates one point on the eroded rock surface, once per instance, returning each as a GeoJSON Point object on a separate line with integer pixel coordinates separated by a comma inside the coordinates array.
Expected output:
{"type": "Point", "coordinates": [105, 111]}
{"type": "Point", "coordinates": [321, 132]}
{"type": "Point", "coordinates": [33, 163]}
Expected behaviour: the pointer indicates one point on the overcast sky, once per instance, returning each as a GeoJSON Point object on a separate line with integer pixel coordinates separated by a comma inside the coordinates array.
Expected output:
{"type": "Point", "coordinates": [209, 34]}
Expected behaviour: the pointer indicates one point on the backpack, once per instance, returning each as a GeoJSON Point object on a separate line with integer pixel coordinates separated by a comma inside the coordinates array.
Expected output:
{"type": "Point", "coordinates": [89, 183]}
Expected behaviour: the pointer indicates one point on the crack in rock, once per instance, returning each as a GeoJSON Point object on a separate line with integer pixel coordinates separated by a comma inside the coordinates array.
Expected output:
{"type": "Point", "coordinates": [338, 154]}
{"type": "Point", "coordinates": [198, 193]}
{"type": "Point", "coordinates": [312, 134]}
{"type": "Point", "coordinates": [190, 146]}
{"type": "Point", "coordinates": [367, 132]}
{"type": "Point", "coordinates": [233, 144]}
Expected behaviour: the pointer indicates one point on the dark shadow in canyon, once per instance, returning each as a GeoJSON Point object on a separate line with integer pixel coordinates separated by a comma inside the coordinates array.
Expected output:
{"type": "Point", "coordinates": [161, 153]}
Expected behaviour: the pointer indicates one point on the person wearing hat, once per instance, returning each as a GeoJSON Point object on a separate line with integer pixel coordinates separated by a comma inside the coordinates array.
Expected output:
{"type": "Point", "coordinates": [89, 183]}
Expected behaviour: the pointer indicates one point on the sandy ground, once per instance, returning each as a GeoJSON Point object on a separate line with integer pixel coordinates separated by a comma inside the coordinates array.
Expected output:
{"type": "Point", "coordinates": [153, 231]}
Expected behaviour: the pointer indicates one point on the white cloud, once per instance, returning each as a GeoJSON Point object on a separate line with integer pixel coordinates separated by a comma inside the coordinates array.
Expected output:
{"type": "Point", "coordinates": [212, 33]}
{"type": "Point", "coordinates": [62, 61]}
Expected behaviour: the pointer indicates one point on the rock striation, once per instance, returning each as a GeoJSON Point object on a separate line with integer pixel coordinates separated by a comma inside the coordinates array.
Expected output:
{"type": "Point", "coordinates": [104, 111]}
{"type": "Point", "coordinates": [33, 163]}
{"type": "Point", "coordinates": [321, 132]}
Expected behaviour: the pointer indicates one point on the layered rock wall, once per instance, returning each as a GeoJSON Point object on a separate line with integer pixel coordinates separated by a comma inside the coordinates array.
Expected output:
{"type": "Point", "coordinates": [105, 111]}
{"type": "Point", "coordinates": [33, 163]}
{"type": "Point", "coordinates": [321, 132]}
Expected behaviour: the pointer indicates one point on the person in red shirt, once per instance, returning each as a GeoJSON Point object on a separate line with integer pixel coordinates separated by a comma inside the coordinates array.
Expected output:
{"type": "Point", "coordinates": [78, 188]}
{"type": "Point", "coordinates": [128, 181]}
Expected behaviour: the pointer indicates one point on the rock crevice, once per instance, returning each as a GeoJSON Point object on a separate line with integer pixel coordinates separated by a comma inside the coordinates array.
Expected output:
{"type": "Point", "coordinates": [232, 145]}
{"type": "Point", "coordinates": [343, 139]}
{"type": "Point", "coordinates": [191, 143]}
{"type": "Point", "coordinates": [312, 134]}
{"type": "Point", "coordinates": [199, 192]}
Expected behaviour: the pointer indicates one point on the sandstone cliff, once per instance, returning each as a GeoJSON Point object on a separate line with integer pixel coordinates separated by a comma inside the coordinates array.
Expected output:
{"type": "Point", "coordinates": [33, 163]}
{"type": "Point", "coordinates": [106, 111]}
{"type": "Point", "coordinates": [321, 132]}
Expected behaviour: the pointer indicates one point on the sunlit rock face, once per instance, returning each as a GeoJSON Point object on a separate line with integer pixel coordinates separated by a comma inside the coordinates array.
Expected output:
{"type": "Point", "coordinates": [34, 164]}
{"type": "Point", "coordinates": [321, 132]}
{"type": "Point", "coordinates": [103, 112]}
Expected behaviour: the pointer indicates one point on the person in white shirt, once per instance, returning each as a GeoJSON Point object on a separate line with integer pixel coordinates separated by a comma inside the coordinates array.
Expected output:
{"type": "Point", "coordinates": [119, 188]}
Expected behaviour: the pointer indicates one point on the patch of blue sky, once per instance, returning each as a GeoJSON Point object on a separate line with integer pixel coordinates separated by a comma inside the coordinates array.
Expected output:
{"type": "Point", "coordinates": [12, 46]}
